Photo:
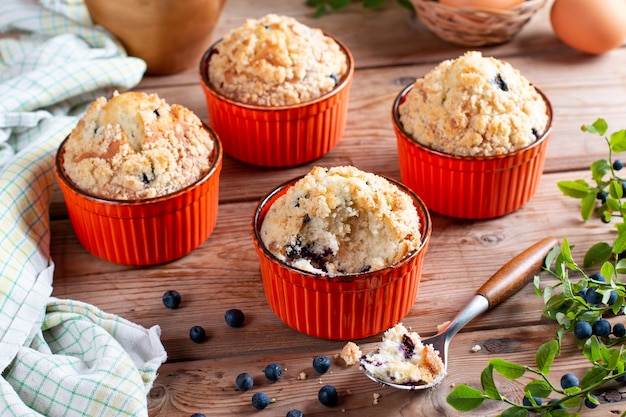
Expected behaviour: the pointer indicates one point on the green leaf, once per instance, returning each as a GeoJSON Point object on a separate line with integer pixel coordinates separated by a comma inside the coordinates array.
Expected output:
{"type": "Point", "coordinates": [559, 413]}
{"type": "Point", "coordinates": [488, 384]}
{"type": "Point", "coordinates": [514, 412]}
{"type": "Point", "coordinates": [599, 169]}
{"type": "Point", "coordinates": [607, 270]}
{"type": "Point", "coordinates": [612, 204]}
{"type": "Point", "coordinates": [338, 4]}
{"type": "Point", "coordinates": [597, 254]}
{"type": "Point", "coordinates": [618, 141]}
{"type": "Point", "coordinates": [593, 376]}
{"type": "Point", "coordinates": [576, 189]}
{"type": "Point", "coordinates": [507, 369]}
{"type": "Point", "coordinates": [572, 402]}
{"type": "Point", "coordinates": [545, 356]}
{"type": "Point", "coordinates": [619, 245]}
{"type": "Point", "coordinates": [587, 205]}
{"type": "Point", "coordinates": [538, 388]}
{"type": "Point", "coordinates": [465, 398]}
{"type": "Point", "coordinates": [599, 127]}
{"type": "Point", "coordinates": [372, 4]}
{"type": "Point", "coordinates": [616, 190]}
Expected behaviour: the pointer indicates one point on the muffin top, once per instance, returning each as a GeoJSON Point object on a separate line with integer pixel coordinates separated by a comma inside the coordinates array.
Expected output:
{"type": "Point", "coordinates": [136, 146]}
{"type": "Point", "coordinates": [341, 220]}
{"type": "Point", "coordinates": [276, 61]}
{"type": "Point", "coordinates": [402, 358]}
{"type": "Point", "coordinates": [474, 106]}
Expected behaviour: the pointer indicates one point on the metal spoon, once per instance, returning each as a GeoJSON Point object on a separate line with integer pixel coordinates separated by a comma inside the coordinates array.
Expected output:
{"type": "Point", "coordinates": [509, 279]}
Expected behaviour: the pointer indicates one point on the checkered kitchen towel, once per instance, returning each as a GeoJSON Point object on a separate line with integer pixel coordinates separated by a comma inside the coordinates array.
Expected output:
{"type": "Point", "coordinates": [57, 357]}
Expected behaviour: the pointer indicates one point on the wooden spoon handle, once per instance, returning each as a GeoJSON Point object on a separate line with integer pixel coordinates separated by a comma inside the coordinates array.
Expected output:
{"type": "Point", "coordinates": [516, 273]}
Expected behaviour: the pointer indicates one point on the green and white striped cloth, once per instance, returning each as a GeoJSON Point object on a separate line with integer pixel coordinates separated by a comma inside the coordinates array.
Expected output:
{"type": "Point", "coordinates": [57, 357]}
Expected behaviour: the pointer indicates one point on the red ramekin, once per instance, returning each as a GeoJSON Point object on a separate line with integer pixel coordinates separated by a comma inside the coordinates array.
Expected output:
{"type": "Point", "coordinates": [340, 307]}
{"type": "Point", "coordinates": [470, 187]}
{"type": "Point", "coordinates": [148, 231]}
{"type": "Point", "coordinates": [278, 136]}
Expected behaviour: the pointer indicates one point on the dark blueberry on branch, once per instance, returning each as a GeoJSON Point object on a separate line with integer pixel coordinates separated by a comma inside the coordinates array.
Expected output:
{"type": "Point", "coordinates": [592, 296]}
{"type": "Point", "coordinates": [569, 380]}
{"type": "Point", "coordinates": [198, 415]}
{"type": "Point", "coordinates": [601, 195]}
{"type": "Point", "coordinates": [582, 330]}
{"type": "Point", "coordinates": [596, 276]}
{"type": "Point", "coordinates": [601, 327]}
{"type": "Point", "coordinates": [591, 401]}
{"type": "Point", "coordinates": [617, 165]}
{"type": "Point", "coordinates": [619, 330]}
{"type": "Point", "coordinates": [612, 298]}
{"type": "Point", "coordinates": [526, 401]}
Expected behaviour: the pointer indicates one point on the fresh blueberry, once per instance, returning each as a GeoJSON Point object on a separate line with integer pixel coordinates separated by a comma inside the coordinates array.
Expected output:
{"type": "Point", "coordinates": [582, 292]}
{"type": "Point", "coordinates": [273, 371]}
{"type": "Point", "coordinates": [527, 402]}
{"type": "Point", "coordinates": [596, 276]}
{"type": "Point", "coordinates": [582, 330]}
{"type": "Point", "coordinates": [234, 317]}
{"type": "Point", "coordinates": [601, 327]}
{"type": "Point", "coordinates": [605, 217]}
{"type": "Point", "coordinates": [328, 396]}
{"type": "Point", "coordinates": [619, 330]}
{"type": "Point", "coordinates": [295, 413]}
{"type": "Point", "coordinates": [244, 382]}
{"type": "Point", "coordinates": [171, 299]}
{"type": "Point", "coordinates": [593, 296]}
{"type": "Point", "coordinates": [568, 381]}
{"type": "Point", "coordinates": [558, 406]}
{"type": "Point", "coordinates": [197, 334]}
{"type": "Point", "coordinates": [321, 364]}
{"type": "Point", "coordinates": [602, 196]}
{"type": "Point", "coordinates": [589, 403]}
{"type": "Point", "coordinates": [198, 415]}
{"type": "Point", "coordinates": [617, 165]}
{"type": "Point", "coordinates": [260, 400]}
{"type": "Point", "coordinates": [612, 298]}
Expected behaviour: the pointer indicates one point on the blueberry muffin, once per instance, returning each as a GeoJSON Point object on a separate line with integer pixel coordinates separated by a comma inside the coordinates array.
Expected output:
{"type": "Point", "coordinates": [403, 359]}
{"type": "Point", "coordinates": [474, 106]}
{"type": "Point", "coordinates": [276, 61]}
{"type": "Point", "coordinates": [136, 146]}
{"type": "Point", "coordinates": [342, 220]}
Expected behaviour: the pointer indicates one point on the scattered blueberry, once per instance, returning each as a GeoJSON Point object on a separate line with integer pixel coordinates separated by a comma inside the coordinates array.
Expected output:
{"type": "Point", "coordinates": [197, 334]}
{"type": "Point", "coordinates": [617, 165]}
{"type": "Point", "coordinates": [568, 381]}
{"type": "Point", "coordinates": [527, 402]}
{"type": "Point", "coordinates": [273, 371]}
{"type": "Point", "coordinates": [328, 396]}
{"type": "Point", "coordinates": [321, 364]}
{"type": "Point", "coordinates": [260, 400]}
{"type": "Point", "coordinates": [589, 403]}
{"type": "Point", "coordinates": [234, 317]}
{"type": "Point", "coordinates": [601, 327]}
{"type": "Point", "coordinates": [582, 330]}
{"type": "Point", "coordinates": [295, 413]}
{"type": "Point", "coordinates": [171, 299]}
{"type": "Point", "coordinates": [198, 415]}
{"type": "Point", "coordinates": [612, 298]}
{"type": "Point", "coordinates": [244, 382]}
{"type": "Point", "coordinates": [619, 330]}
{"type": "Point", "coordinates": [593, 296]}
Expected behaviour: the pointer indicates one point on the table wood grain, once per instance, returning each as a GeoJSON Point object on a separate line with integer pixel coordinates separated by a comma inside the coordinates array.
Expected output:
{"type": "Point", "coordinates": [391, 48]}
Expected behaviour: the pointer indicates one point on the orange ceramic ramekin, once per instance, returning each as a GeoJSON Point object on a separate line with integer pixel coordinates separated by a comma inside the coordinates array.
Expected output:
{"type": "Point", "coordinates": [278, 136]}
{"type": "Point", "coordinates": [148, 231]}
{"type": "Point", "coordinates": [341, 307]}
{"type": "Point", "coordinates": [470, 187]}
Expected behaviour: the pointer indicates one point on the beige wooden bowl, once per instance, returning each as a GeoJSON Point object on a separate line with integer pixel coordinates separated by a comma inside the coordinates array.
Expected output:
{"type": "Point", "coordinates": [170, 35]}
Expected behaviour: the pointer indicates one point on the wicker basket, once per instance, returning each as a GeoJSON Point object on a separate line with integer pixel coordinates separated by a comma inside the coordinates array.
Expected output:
{"type": "Point", "coordinates": [475, 27]}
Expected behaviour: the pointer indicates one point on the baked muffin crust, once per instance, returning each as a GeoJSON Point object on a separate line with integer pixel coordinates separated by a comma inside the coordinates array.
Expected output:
{"type": "Point", "coordinates": [136, 146]}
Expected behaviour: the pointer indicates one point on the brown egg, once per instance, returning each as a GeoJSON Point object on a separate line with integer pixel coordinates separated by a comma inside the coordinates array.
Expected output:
{"type": "Point", "coordinates": [482, 4]}
{"type": "Point", "coordinates": [590, 26]}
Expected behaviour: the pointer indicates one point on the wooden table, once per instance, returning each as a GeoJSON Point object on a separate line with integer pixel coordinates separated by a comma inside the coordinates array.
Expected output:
{"type": "Point", "coordinates": [390, 48]}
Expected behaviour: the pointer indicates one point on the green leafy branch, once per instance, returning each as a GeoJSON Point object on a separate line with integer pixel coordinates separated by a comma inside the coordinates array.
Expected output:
{"type": "Point", "coordinates": [322, 7]}
{"type": "Point", "coordinates": [579, 302]}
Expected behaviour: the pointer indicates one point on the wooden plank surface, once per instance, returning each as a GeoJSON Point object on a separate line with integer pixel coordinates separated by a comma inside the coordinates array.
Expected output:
{"type": "Point", "coordinates": [391, 48]}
